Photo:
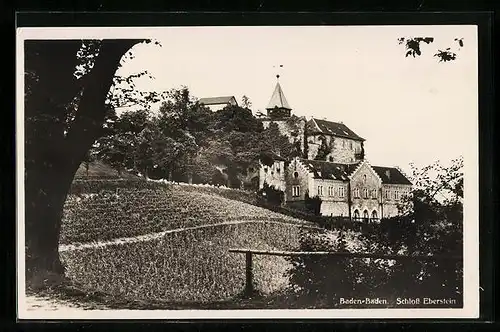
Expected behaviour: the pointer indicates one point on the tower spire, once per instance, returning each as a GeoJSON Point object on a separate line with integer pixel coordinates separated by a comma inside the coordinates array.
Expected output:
{"type": "Point", "coordinates": [278, 106]}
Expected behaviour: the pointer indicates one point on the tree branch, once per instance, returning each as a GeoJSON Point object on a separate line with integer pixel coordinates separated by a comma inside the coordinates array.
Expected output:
{"type": "Point", "coordinates": [91, 110]}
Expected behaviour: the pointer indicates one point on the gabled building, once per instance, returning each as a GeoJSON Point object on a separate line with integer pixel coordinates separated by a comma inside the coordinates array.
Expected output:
{"type": "Point", "coordinates": [335, 169]}
{"type": "Point", "coordinates": [218, 103]}
{"type": "Point", "coordinates": [359, 191]}
{"type": "Point", "coordinates": [342, 144]}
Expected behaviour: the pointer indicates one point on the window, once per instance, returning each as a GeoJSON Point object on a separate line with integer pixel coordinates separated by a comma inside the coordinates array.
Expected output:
{"type": "Point", "coordinates": [265, 169]}
{"type": "Point", "coordinates": [364, 178]}
{"type": "Point", "coordinates": [331, 159]}
{"type": "Point", "coordinates": [365, 193]}
{"type": "Point", "coordinates": [356, 193]}
{"type": "Point", "coordinates": [330, 191]}
{"type": "Point", "coordinates": [396, 195]}
{"type": "Point", "coordinates": [387, 192]}
{"type": "Point", "coordinates": [341, 192]}
{"type": "Point", "coordinates": [295, 174]}
{"type": "Point", "coordinates": [374, 215]}
{"type": "Point", "coordinates": [295, 191]}
{"type": "Point", "coordinates": [278, 170]}
{"type": "Point", "coordinates": [320, 190]}
{"type": "Point", "coordinates": [374, 193]}
{"type": "Point", "coordinates": [350, 145]}
{"type": "Point", "coordinates": [366, 216]}
{"type": "Point", "coordinates": [356, 215]}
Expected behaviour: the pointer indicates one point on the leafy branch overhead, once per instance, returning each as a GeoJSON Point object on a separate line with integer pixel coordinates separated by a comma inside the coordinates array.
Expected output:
{"type": "Point", "coordinates": [413, 48]}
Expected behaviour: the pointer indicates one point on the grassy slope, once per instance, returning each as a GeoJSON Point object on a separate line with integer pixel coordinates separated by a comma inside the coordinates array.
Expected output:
{"type": "Point", "coordinates": [189, 266]}
{"type": "Point", "coordinates": [132, 212]}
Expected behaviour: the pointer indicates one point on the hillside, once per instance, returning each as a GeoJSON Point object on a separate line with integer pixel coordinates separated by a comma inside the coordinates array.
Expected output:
{"type": "Point", "coordinates": [138, 207]}
{"type": "Point", "coordinates": [189, 261]}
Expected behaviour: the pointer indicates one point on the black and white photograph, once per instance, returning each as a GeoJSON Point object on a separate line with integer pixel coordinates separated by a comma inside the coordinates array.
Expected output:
{"type": "Point", "coordinates": [220, 172]}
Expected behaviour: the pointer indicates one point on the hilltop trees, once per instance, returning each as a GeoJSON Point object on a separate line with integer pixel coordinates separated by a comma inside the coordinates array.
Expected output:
{"type": "Point", "coordinates": [187, 142]}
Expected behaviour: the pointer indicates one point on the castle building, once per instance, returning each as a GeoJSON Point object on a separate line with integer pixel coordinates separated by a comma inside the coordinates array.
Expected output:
{"type": "Point", "coordinates": [335, 169]}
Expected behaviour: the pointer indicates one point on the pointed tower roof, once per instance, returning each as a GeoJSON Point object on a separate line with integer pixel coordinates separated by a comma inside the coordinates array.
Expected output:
{"type": "Point", "coordinates": [278, 98]}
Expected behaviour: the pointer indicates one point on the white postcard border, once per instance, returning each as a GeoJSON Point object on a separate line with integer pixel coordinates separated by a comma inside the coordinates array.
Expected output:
{"type": "Point", "coordinates": [471, 208]}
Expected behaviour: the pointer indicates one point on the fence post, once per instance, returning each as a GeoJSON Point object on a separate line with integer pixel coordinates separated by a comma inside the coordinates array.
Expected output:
{"type": "Point", "coordinates": [249, 283]}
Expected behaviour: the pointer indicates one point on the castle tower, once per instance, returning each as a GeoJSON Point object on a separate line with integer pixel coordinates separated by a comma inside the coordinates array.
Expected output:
{"type": "Point", "coordinates": [278, 107]}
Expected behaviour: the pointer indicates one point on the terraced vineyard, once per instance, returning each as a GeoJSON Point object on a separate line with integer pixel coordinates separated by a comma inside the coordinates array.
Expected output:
{"type": "Point", "coordinates": [190, 266]}
{"type": "Point", "coordinates": [184, 265]}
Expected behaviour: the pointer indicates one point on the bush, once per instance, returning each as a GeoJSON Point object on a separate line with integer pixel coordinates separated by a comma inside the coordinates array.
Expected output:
{"type": "Point", "coordinates": [322, 280]}
{"type": "Point", "coordinates": [313, 204]}
{"type": "Point", "coordinates": [271, 195]}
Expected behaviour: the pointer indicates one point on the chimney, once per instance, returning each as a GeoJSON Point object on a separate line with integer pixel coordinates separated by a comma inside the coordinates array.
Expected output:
{"type": "Point", "coordinates": [388, 174]}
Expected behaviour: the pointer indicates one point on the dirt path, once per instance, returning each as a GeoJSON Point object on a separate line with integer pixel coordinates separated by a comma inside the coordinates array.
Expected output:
{"type": "Point", "coordinates": [154, 236]}
{"type": "Point", "coordinates": [46, 303]}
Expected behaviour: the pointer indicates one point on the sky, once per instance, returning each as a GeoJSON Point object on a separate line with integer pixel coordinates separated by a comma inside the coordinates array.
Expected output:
{"type": "Point", "coordinates": [408, 109]}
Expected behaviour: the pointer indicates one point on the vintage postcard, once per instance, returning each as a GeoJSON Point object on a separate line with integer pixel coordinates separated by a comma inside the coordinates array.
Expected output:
{"type": "Point", "coordinates": [248, 172]}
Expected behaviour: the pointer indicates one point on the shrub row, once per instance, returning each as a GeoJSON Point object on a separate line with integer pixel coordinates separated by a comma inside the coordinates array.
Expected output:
{"type": "Point", "coordinates": [343, 223]}
{"type": "Point", "coordinates": [97, 185]}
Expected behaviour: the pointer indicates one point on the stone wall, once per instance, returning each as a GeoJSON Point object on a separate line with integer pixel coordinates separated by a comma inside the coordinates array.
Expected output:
{"type": "Point", "coordinates": [392, 194]}
{"type": "Point", "coordinates": [334, 208]}
{"type": "Point", "coordinates": [343, 150]}
{"type": "Point", "coordinates": [273, 175]}
{"type": "Point", "coordinates": [293, 128]}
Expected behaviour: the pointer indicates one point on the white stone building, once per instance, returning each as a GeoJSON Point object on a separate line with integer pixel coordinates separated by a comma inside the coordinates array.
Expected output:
{"type": "Point", "coordinates": [335, 168]}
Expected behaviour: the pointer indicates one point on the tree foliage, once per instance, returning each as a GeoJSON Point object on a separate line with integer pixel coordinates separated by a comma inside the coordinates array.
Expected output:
{"type": "Point", "coordinates": [324, 149]}
{"type": "Point", "coordinates": [313, 204]}
{"type": "Point", "coordinates": [271, 195]}
{"type": "Point", "coordinates": [413, 47]}
{"type": "Point", "coordinates": [185, 141]}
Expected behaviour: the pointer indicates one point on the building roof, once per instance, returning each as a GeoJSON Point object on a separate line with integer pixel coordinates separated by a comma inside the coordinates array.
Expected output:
{"type": "Point", "coordinates": [278, 99]}
{"type": "Point", "coordinates": [274, 156]}
{"type": "Point", "coordinates": [332, 128]}
{"type": "Point", "coordinates": [391, 175]}
{"type": "Point", "coordinates": [216, 100]}
{"type": "Point", "coordinates": [328, 170]}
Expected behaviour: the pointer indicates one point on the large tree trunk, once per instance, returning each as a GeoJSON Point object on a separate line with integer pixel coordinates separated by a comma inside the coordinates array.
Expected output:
{"type": "Point", "coordinates": [46, 191]}
{"type": "Point", "coordinates": [54, 150]}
